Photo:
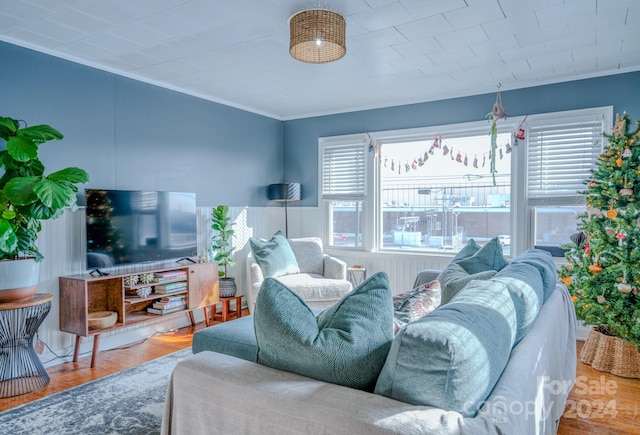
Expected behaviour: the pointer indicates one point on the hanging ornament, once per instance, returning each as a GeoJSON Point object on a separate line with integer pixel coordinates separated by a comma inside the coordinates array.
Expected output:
{"type": "Point", "coordinates": [445, 150]}
{"type": "Point", "coordinates": [414, 165]}
{"type": "Point", "coordinates": [591, 183]}
{"type": "Point", "coordinates": [619, 162]}
{"type": "Point", "coordinates": [399, 167]}
{"type": "Point", "coordinates": [601, 299]}
{"type": "Point", "coordinates": [595, 268]}
{"type": "Point", "coordinates": [436, 141]}
{"type": "Point", "coordinates": [420, 162]}
{"type": "Point", "coordinates": [426, 156]}
{"type": "Point", "coordinates": [501, 155]}
{"type": "Point", "coordinates": [407, 167]}
{"type": "Point", "coordinates": [484, 160]}
{"type": "Point", "coordinates": [507, 148]}
{"type": "Point", "coordinates": [627, 153]}
{"type": "Point", "coordinates": [623, 287]}
{"type": "Point", "coordinates": [566, 280]}
{"type": "Point", "coordinates": [475, 161]}
{"type": "Point", "coordinates": [621, 237]}
{"type": "Point", "coordinates": [612, 213]}
{"type": "Point", "coordinates": [451, 154]}
{"type": "Point", "coordinates": [431, 150]}
{"type": "Point", "coordinates": [610, 231]}
{"type": "Point", "coordinates": [386, 160]}
{"type": "Point", "coordinates": [459, 157]}
{"type": "Point", "coordinates": [498, 111]}
{"type": "Point", "coordinates": [466, 160]}
{"type": "Point", "coordinates": [393, 165]}
{"type": "Point", "coordinates": [518, 135]}
{"type": "Point", "coordinates": [626, 191]}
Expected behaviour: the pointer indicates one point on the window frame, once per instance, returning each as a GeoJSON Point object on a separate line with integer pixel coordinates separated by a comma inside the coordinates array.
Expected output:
{"type": "Point", "coordinates": [522, 236]}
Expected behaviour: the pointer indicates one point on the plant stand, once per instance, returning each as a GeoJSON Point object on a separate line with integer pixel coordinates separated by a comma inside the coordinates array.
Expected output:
{"type": "Point", "coordinates": [611, 354]}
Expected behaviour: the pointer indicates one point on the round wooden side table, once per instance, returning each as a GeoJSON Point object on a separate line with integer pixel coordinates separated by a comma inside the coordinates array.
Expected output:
{"type": "Point", "coordinates": [20, 368]}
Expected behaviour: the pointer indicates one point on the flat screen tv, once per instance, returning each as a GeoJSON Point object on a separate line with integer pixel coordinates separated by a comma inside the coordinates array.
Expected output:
{"type": "Point", "coordinates": [133, 226]}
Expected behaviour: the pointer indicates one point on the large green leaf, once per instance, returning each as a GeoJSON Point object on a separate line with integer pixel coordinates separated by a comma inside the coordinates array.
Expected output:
{"type": "Point", "coordinates": [41, 133]}
{"type": "Point", "coordinates": [20, 191]}
{"type": "Point", "coordinates": [71, 175]}
{"type": "Point", "coordinates": [8, 127]}
{"type": "Point", "coordinates": [8, 239]}
{"type": "Point", "coordinates": [22, 148]}
{"type": "Point", "coordinates": [54, 194]}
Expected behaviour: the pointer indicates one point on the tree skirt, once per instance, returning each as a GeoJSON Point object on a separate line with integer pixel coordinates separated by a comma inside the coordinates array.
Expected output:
{"type": "Point", "coordinates": [128, 402]}
{"type": "Point", "coordinates": [611, 354]}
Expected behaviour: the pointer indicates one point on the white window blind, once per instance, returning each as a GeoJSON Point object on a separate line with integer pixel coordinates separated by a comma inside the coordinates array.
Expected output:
{"type": "Point", "coordinates": [561, 154]}
{"type": "Point", "coordinates": [343, 171]}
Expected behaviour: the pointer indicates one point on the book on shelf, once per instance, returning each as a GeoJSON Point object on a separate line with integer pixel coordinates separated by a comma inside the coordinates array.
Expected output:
{"type": "Point", "coordinates": [167, 310]}
{"type": "Point", "coordinates": [169, 273]}
{"type": "Point", "coordinates": [171, 288]}
{"type": "Point", "coordinates": [161, 279]}
{"type": "Point", "coordinates": [164, 305]}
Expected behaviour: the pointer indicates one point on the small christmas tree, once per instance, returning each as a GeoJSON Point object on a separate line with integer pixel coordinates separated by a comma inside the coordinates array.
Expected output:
{"type": "Point", "coordinates": [603, 267]}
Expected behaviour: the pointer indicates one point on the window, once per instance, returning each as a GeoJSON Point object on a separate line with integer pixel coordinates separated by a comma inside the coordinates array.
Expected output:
{"type": "Point", "coordinates": [432, 189]}
{"type": "Point", "coordinates": [562, 149]}
{"type": "Point", "coordinates": [344, 186]}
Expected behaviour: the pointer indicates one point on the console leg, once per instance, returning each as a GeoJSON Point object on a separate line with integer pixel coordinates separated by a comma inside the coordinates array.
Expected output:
{"type": "Point", "coordinates": [76, 350]}
{"type": "Point", "coordinates": [94, 354]}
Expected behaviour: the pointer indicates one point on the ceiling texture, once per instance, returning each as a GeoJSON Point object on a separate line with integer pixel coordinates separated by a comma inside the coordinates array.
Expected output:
{"type": "Point", "coordinates": [236, 52]}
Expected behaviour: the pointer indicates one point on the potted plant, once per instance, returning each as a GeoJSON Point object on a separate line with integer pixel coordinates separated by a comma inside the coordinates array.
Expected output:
{"type": "Point", "coordinates": [222, 247]}
{"type": "Point", "coordinates": [27, 197]}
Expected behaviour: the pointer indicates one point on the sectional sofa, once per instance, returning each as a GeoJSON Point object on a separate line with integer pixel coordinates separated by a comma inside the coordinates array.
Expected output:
{"type": "Point", "coordinates": [498, 358]}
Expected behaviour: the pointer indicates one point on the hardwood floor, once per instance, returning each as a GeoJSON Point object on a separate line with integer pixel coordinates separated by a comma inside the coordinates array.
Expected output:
{"type": "Point", "coordinates": [599, 403]}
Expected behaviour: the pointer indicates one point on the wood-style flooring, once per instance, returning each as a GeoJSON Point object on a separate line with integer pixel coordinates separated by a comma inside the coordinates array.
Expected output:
{"type": "Point", "coordinates": [599, 403]}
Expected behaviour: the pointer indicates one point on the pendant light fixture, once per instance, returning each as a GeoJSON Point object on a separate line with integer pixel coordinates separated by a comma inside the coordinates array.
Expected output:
{"type": "Point", "coordinates": [317, 36]}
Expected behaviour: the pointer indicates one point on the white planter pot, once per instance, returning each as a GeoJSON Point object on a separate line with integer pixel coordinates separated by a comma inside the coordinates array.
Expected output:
{"type": "Point", "coordinates": [18, 279]}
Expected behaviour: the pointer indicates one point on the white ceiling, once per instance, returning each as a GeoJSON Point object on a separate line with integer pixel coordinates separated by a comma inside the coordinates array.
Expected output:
{"type": "Point", "coordinates": [237, 51]}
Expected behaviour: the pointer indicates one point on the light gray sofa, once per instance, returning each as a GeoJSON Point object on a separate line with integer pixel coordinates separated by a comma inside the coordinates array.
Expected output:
{"type": "Point", "coordinates": [322, 280]}
{"type": "Point", "coordinates": [214, 392]}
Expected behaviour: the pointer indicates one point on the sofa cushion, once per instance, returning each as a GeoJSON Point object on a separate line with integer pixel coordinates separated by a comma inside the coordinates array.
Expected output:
{"type": "Point", "coordinates": [274, 256]}
{"type": "Point", "coordinates": [236, 338]}
{"type": "Point", "coordinates": [415, 304]}
{"type": "Point", "coordinates": [526, 289]}
{"type": "Point", "coordinates": [471, 262]}
{"type": "Point", "coordinates": [312, 287]}
{"type": "Point", "coordinates": [309, 255]}
{"type": "Point", "coordinates": [543, 261]}
{"type": "Point", "coordinates": [452, 358]}
{"type": "Point", "coordinates": [346, 344]}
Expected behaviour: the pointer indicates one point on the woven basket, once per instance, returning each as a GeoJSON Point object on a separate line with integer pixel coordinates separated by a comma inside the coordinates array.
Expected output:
{"type": "Point", "coordinates": [611, 354]}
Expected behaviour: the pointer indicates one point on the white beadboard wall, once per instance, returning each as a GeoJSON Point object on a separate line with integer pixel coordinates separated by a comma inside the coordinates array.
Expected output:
{"type": "Point", "coordinates": [62, 242]}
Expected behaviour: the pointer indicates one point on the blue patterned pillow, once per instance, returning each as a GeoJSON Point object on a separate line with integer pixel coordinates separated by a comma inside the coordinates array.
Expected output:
{"type": "Point", "coordinates": [274, 256]}
{"type": "Point", "coordinates": [347, 344]}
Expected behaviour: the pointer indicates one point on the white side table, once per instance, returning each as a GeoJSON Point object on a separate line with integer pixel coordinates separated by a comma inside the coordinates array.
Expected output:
{"type": "Point", "coordinates": [356, 275]}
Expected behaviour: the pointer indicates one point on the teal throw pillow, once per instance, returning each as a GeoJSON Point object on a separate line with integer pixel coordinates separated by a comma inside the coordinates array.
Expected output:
{"type": "Point", "coordinates": [453, 279]}
{"type": "Point", "coordinates": [489, 257]}
{"type": "Point", "coordinates": [453, 358]}
{"type": "Point", "coordinates": [274, 256]}
{"type": "Point", "coordinates": [346, 344]}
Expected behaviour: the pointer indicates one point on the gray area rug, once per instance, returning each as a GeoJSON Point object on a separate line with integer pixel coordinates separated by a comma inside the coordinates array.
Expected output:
{"type": "Point", "coordinates": [128, 402]}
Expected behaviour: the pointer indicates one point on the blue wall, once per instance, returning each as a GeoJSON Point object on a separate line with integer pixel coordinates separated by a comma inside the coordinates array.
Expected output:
{"type": "Point", "coordinates": [301, 136]}
{"type": "Point", "coordinates": [132, 135]}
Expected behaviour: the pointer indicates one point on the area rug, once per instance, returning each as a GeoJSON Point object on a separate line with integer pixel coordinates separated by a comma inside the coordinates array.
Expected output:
{"type": "Point", "coordinates": [128, 402]}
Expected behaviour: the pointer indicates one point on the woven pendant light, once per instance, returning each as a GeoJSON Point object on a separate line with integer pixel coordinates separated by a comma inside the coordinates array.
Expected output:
{"type": "Point", "coordinates": [317, 36]}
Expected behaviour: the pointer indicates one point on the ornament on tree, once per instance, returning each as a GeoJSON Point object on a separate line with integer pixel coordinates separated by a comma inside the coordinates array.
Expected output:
{"type": "Point", "coordinates": [610, 231]}
{"type": "Point", "coordinates": [626, 191]}
{"type": "Point", "coordinates": [623, 287]}
{"type": "Point", "coordinates": [611, 213]}
{"type": "Point", "coordinates": [620, 126]}
{"type": "Point", "coordinates": [627, 153]}
{"type": "Point", "coordinates": [619, 162]}
{"type": "Point", "coordinates": [595, 268]}
{"type": "Point", "coordinates": [601, 299]}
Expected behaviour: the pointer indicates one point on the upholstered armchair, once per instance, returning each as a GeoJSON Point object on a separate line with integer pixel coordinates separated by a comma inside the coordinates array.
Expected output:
{"type": "Point", "coordinates": [320, 282]}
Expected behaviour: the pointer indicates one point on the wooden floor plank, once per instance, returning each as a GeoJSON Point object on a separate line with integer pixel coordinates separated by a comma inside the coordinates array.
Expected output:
{"type": "Point", "coordinates": [599, 403]}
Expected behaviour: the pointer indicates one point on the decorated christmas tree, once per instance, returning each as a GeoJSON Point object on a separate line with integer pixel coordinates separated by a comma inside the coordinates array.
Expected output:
{"type": "Point", "coordinates": [603, 266]}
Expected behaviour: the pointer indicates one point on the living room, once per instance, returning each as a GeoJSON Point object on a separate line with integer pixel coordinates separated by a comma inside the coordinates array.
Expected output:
{"type": "Point", "coordinates": [136, 135]}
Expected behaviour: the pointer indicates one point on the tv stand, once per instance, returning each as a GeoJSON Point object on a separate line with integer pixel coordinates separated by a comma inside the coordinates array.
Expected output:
{"type": "Point", "coordinates": [99, 272]}
{"type": "Point", "coordinates": [88, 293]}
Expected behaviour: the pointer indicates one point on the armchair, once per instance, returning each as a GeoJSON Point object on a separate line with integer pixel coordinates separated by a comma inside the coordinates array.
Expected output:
{"type": "Point", "coordinates": [322, 280]}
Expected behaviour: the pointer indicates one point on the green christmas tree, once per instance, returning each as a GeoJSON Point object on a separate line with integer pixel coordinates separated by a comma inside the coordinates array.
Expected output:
{"type": "Point", "coordinates": [603, 266]}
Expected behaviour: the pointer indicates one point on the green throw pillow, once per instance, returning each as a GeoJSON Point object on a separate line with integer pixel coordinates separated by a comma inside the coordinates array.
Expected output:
{"type": "Point", "coordinates": [489, 257]}
{"type": "Point", "coordinates": [274, 256]}
{"type": "Point", "coordinates": [346, 344]}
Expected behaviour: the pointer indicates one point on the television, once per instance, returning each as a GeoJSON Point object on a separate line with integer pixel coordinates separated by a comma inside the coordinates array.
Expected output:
{"type": "Point", "coordinates": [139, 226]}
